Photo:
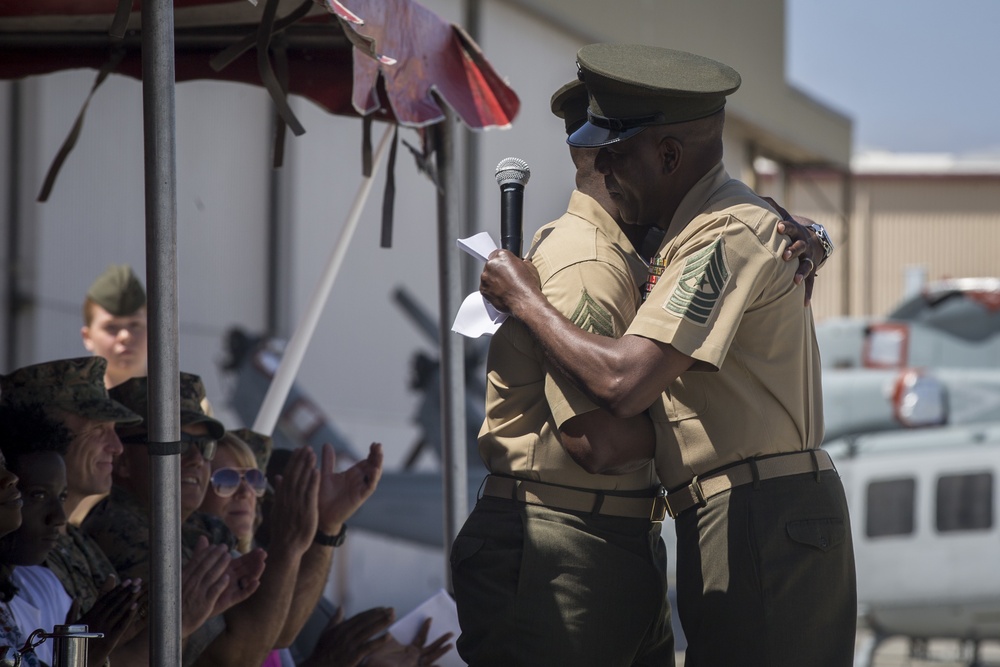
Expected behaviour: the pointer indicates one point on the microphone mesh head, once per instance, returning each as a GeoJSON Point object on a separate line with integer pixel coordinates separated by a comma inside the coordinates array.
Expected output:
{"type": "Point", "coordinates": [513, 170]}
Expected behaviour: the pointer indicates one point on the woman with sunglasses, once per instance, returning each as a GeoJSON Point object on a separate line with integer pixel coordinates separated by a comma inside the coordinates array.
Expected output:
{"type": "Point", "coordinates": [234, 487]}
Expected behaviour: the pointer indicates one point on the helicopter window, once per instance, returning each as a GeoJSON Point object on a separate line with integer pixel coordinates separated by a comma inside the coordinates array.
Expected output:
{"type": "Point", "coordinates": [965, 502]}
{"type": "Point", "coordinates": [891, 507]}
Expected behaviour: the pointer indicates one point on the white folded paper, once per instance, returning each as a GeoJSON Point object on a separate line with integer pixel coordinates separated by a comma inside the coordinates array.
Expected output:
{"type": "Point", "coordinates": [476, 316]}
{"type": "Point", "coordinates": [441, 609]}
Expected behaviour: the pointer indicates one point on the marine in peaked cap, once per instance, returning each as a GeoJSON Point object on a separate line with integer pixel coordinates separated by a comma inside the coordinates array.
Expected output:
{"type": "Point", "coordinates": [570, 104]}
{"type": "Point", "coordinates": [634, 86]}
{"type": "Point", "coordinates": [73, 385]}
{"type": "Point", "coordinates": [725, 303]}
{"type": "Point", "coordinates": [606, 572]}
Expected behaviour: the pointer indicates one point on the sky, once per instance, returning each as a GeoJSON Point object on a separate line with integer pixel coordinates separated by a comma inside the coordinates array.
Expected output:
{"type": "Point", "coordinates": [914, 75]}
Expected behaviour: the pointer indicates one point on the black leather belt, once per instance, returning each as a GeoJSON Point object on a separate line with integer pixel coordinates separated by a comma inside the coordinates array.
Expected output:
{"type": "Point", "coordinates": [700, 489]}
{"type": "Point", "coordinates": [575, 500]}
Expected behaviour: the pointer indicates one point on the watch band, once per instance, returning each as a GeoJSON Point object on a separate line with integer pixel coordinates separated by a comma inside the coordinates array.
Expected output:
{"type": "Point", "coordinates": [824, 239]}
{"type": "Point", "coordinates": [331, 540]}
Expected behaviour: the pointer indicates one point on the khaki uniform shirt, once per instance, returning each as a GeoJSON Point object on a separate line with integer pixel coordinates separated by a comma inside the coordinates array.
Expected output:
{"type": "Point", "coordinates": [589, 272]}
{"type": "Point", "coordinates": [80, 565]}
{"type": "Point", "coordinates": [726, 298]}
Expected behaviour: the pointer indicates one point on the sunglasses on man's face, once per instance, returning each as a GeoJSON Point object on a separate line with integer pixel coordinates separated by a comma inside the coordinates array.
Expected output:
{"type": "Point", "coordinates": [205, 444]}
{"type": "Point", "coordinates": [226, 481]}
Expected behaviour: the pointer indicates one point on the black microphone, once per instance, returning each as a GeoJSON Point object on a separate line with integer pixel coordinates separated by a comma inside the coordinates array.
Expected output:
{"type": "Point", "coordinates": [512, 174]}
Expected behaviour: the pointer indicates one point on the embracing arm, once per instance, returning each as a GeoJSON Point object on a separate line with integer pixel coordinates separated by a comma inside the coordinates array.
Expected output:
{"type": "Point", "coordinates": [622, 375]}
{"type": "Point", "coordinates": [601, 443]}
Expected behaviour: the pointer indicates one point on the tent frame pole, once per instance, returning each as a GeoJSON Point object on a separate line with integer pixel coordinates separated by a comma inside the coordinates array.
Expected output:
{"type": "Point", "coordinates": [454, 464]}
{"type": "Point", "coordinates": [163, 425]}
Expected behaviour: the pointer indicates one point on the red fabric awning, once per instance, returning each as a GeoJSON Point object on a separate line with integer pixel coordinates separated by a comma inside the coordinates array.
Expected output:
{"type": "Point", "coordinates": [400, 55]}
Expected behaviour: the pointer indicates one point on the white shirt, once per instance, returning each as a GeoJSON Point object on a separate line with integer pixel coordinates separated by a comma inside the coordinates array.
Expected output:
{"type": "Point", "coordinates": [41, 602]}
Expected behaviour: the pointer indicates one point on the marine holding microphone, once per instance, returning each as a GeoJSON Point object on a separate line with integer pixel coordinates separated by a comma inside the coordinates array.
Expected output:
{"type": "Point", "coordinates": [559, 564]}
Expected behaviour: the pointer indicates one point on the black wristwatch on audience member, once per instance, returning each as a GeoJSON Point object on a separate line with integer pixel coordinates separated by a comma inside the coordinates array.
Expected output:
{"type": "Point", "coordinates": [331, 540]}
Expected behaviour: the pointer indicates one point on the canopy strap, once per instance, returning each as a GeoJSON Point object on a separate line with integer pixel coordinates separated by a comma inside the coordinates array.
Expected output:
{"type": "Point", "coordinates": [267, 77]}
{"type": "Point", "coordinates": [389, 197]}
{"type": "Point", "coordinates": [222, 59]}
{"type": "Point", "coordinates": [120, 21]}
{"type": "Point", "coordinates": [366, 146]}
{"type": "Point", "coordinates": [117, 54]}
{"type": "Point", "coordinates": [280, 126]}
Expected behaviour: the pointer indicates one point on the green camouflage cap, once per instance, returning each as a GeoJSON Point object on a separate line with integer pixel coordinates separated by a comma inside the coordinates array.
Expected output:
{"type": "Point", "coordinates": [570, 104]}
{"type": "Point", "coordinates": [74, 385]}
{"type": "Point", "coordinates": [118, 291]}
{"type": "Point", "coordinates": [633, 86]}
{"type": "Point", "coordinates": [261, 445]}
{"type": "Point", "coordinates": [134, 393]}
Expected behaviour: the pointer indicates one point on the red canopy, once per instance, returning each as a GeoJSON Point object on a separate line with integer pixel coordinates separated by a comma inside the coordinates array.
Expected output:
{"type": "Point", "coordinates": [400, 54]}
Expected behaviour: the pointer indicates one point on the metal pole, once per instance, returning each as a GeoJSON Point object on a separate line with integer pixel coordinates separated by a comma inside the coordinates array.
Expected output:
{"type": "Point", "coordinates": [161, 280]}
{"type": "Point", "coordinates": [14, 226]}
{"type": "Point", "coordinates": [453, 458]}
{"type": "Point", "coordinates": [470, 169]}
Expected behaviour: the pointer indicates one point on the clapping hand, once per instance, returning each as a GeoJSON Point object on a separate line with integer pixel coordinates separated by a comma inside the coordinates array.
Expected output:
{"type": "Point", "coordinates": [342, 493]}
{"type": "Point", "coordinates": [414, 654]}
{"type": "Point", "coordinates": [348, 643]}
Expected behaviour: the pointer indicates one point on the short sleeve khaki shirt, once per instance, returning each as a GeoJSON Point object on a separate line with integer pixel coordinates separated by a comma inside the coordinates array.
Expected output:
{"type": "Point", "coordinates": [727, 299]}
{"type": "Point", "coordinates": [590, 273]}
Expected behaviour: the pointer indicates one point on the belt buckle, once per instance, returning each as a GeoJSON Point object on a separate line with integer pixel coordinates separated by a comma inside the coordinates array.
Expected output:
{"type": "Point", "coordinates": [659, 509]}
{"type": "Point", "coordinates": [697, 494]}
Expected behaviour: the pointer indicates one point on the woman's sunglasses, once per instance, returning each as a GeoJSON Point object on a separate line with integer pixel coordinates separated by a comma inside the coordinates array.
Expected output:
{"type": "Point", "coordinates": [226, 481]}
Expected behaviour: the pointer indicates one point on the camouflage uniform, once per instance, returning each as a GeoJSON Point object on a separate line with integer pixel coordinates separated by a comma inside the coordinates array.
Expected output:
{"type": "Point", "coordinates": [80, 565]}
{"type": "Point", "coordinates": [74, 385]}
{"type": "Point", "coordinates": [119, 525]}
{"type": "Point", "coordinates": [261, 445]}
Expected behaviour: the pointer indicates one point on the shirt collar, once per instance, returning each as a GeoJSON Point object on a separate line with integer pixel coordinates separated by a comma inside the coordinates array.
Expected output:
{"type": "Point", "coordinates": [586, 207]}
{"type": "Point", "coordinates": [695, 200]}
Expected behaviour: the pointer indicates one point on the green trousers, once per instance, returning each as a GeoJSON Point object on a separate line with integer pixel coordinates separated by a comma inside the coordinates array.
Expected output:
{"type": "Point", "coordinates": [536, 586]}
{"type": "Point", "coordinates": [765, 576]}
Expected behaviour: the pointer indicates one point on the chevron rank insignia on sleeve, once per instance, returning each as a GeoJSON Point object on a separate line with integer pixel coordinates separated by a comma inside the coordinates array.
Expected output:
{"type": "Point", "coordinates": [592, 316]}
{"type": "Point", "coordinates": [700, 285]}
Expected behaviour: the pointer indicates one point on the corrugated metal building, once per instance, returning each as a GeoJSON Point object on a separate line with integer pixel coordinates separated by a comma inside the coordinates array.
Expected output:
{"type": "Point", "coordinates": [911, 218]}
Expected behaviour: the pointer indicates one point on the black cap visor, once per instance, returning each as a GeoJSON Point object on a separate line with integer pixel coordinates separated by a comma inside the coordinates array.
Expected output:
{"type": "Point", "coordinates": [594, 136]}
{"type": "Point", "coordinates": [602, 131]}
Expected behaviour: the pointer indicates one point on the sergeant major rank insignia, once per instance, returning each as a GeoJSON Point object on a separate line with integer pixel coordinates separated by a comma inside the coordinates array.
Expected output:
{"type": "Point", "coordinates": [700, 284]}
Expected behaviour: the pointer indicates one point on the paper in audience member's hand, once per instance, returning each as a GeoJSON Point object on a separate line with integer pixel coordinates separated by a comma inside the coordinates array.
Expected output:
{"type": "Point", "coordinates": [441, 609]}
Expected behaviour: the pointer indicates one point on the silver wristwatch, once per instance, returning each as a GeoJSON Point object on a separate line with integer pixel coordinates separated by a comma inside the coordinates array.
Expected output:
{"type": "Point", "coordinates": [824, 240]}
